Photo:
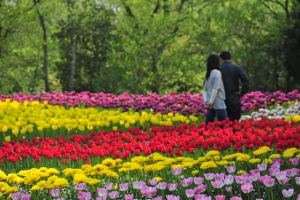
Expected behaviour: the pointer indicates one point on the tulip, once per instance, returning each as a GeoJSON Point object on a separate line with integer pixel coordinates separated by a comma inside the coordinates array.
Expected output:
{"type": "Point", "coordinates": [138, 184]}
{"type": "Point", "coordinates": [297, 179]}
{"type": "Point", "coordinates": [247, 188]}
{"type": "Point", "coordinates": [186, 182]}
{"type": "Point", "coordinates": [231, 169]}
{"type": "Point", "coordinates": [200, 188]}
{"type": "Point", "coordinates": [113, 194]}
{"type": "Point", "coordinates": [200, 196]}
{"type": "Point", "coordinates": [102, 192]}
{"type": "Point", "coordinates": [172, 186]}
{"type": "Point", "coordinates": [176, 171]}
{"type": "Point", "coordinates": [109, 186]}
{"type": "Point", "coordinates": [190, 193]}
{"type": "Point", "coordinates": [25, 196]}
{"type": "Point", "coordinates": [294, 161]}
{"type": "Point", "coordinates": [288, 193]}
{"type": "Point", "coordinates": [269, 182]}
{"type": "Point", "coordinates": [219, 176]}
{"type": "Point", "coordinates": [198, 180]}
{"type": "Point", "coordinates": [172, 197]}
{"type": "Point", "coordinates": [80, 186]}
{"type": "Point", "coordinates": [161, 185]}
{"type": "Point", "coordinates": [123, 186]}
{"type": "Point", "coordinates": [262, 167]}
{"type": "Point", "coordinates": [55, 193]}
{"type": "Point", "coordinates": [236, 198]}
{"type": "Point", "coordinates": [217, 184]}
{"type": "Point", "coordinates": [220, 197]}
{"type": "Point", "coordinates": [209, 176]}
{"type": "Point", "coordinates": [128, 196]}
{"type": "Point", "coordinates": [16, 195]}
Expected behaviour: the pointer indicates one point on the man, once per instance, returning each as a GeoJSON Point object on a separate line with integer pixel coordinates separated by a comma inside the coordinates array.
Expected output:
{"type": "Point", "coordinates": [231, 75]}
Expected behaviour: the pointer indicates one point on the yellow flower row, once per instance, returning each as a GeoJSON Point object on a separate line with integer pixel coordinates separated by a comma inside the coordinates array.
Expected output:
{"type": "Point", "coordinates": [295, 118]}
{"type": "Point", "coordinates": [47, 178]}
{"type": "Point", "coordinates": [21, 118]}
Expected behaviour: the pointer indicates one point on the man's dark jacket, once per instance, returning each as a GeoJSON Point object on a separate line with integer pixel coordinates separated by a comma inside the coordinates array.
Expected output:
{"type": "Point", "coordinates": [231, 75]}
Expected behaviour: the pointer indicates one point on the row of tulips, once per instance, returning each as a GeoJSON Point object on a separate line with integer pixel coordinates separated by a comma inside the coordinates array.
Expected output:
{"type": "Point", "coordinates": [29, 119]}
{"type": "Point", "coordinates": [171, 179]}
{"type": "Point", "coordinates": [174, 141]}
{"type": "Point", "coordinates": [184, 103]}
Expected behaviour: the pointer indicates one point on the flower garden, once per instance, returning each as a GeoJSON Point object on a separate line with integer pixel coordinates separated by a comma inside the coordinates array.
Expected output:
{"type": "Point", "coordinates": [96, 146]}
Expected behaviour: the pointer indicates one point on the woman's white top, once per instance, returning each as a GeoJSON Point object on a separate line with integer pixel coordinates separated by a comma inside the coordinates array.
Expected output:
{"type": "Point", "coordinates": [214, 92]}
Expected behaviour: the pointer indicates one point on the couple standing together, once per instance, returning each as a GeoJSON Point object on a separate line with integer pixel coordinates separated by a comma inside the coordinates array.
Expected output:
{"type": "Point", "coordinates": [221, 88]}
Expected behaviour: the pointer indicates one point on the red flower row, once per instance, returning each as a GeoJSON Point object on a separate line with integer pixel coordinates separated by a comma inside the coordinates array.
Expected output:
{"type": "Point", "coordinates": [166, 139]}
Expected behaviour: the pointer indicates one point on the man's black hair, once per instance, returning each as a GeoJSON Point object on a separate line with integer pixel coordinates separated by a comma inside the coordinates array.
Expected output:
{"type": "Point", "coordinates": [225, 55]}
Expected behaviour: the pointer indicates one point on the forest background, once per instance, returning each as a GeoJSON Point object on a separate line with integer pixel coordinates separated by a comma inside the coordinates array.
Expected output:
{"type": "Point", "coordinates": [141, 46]}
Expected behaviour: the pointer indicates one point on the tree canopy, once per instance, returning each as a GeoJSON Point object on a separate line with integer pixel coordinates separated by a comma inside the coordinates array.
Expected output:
{"type": "Point", "coordinates": [141, 46]}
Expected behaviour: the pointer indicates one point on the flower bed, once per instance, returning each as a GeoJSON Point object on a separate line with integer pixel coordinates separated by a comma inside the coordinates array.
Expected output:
{"type": "Point", "coordinates": [53, 149]}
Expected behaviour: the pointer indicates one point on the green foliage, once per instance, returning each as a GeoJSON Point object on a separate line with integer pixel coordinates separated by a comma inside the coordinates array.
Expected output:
{"type": "Point", "coordinates": [141, 46]}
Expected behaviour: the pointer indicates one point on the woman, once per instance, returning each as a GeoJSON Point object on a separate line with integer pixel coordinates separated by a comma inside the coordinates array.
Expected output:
{"type": "Point", "coordinates": [214, 93]}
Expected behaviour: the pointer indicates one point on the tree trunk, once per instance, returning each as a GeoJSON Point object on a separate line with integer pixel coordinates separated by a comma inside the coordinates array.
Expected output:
{"type": "Point", "coordinates": [45, 48]}
{"type": "Point", "coordinates": [73, 50]}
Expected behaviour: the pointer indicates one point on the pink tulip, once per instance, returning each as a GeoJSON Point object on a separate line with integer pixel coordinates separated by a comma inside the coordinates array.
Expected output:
{"type": "Point", "coordinates": [186, 182]}
{"type": "Point", "coordinates": [262, 167]}
{"type": "Point", "coordinates": [231, 169]}
{"type": "Point", "coordinates": [200, 188]}
{"type": "Point", "coordinates": [291, 172]}
{"type": "Point", "coordinates": [200, 196]}
{"type": "Point", "coordinates": [190, 193]}
{"type": "Point", "coordinates": [247, 188]}
{"type": "Point", "coordinates": [102, 192]}
{"type": "Point", "coordinates": [55, 192]}
{"type": "Point", "coordinates": [294, 161]}
{"type": "Point", "coordinates": [255, 177]}
{"type": "Point", "coordinates": [158, 198]}
{"type": "Point", "coordinates": [172, 186]}
{"type": "Point", "coordinates": [228, 189]}
{"type": "Point", "coordinates": [240, 179]}
{"type": "Point", "coordinates": [17, 195]}
{"type": "Point", "coordinates": [269, 182]}
{"type": "Point", "coordinates": [138, 184]}
{"type": "Point", "coordinates": [220, 197]}
{"type": "Point", "coordinates": [148, 191]}
{"type": "Point", "coordinates": [80, 186]}
{"type": "Point", "coordinates": [209, 176]}
{"type": "Point", "coordinates": [217, 184]}
{"type": "Point", "coordinates": [172, 197]}
{"type": "Point", "coordinates": [109, 186]}
{"type": "Point", "coordinates": [198, 180]}
{"type": "Point", "coordinates": [25, 196]}
{"type": "Point", "coordinates": [123, 186]}
{"type": "Point", "coordinates": [219, 176]}
{"type": "Point", "coordinates": [161, 185]}
{"type": "Point", "coordinates": [284, 181]}
{"type": "Point", "coordinates": [297, 179]}
{"type": "Point", "coordinates": [113, 194]}
{"type": "Point", "coordinates": [236, 198]}
{"type": "Point", "coordinates": [280, 175]}
{"type": "Point", "coordinates": [298, 197]}
{"type": "Point", "coordinates": [100, 198]}
{"type": "Point", "coordinates": [273, 171]}
{"type": "Point", "coordinates": [228, 180]}
{"type": "Point", "coordinates": [288, 193]}
{"type": "Point", "coordinates": [153, 181]}
{"type": "Point", "coordinates": [84, 195]}
{"type": "Point", "coordinates": [128, 196]}
{"type": "Point", "coordinates": [176, 171]}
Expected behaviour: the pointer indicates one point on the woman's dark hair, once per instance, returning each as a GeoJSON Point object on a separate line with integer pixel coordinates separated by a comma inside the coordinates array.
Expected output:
{"type": "Point", "coordinates": [213, 62]}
